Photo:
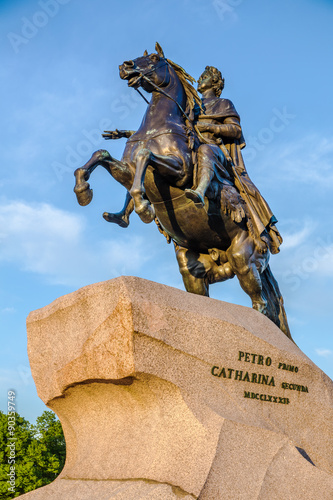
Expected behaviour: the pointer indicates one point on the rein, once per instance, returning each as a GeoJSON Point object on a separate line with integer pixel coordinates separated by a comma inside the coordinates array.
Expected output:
{"type": "Point", "coordinates": [143, 75]}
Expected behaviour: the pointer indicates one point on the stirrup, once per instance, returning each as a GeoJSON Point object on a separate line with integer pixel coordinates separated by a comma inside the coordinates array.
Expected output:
{"type": "Point", "coordinates": [193, 195]}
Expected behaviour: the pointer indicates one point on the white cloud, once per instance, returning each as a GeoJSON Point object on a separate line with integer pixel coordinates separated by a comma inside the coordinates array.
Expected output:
{"type": "Point", "coordinates": [7, 310]}
{"type": "Point", "coordinates": [305, 252]}
{"type": "Point", "coordinates": [307, 161]}
{"type": "Point", "coordinates": [294, 239]}
{"type": "Point", "coordinates": [14, 378]}
{"type": "Point", "coordinates": [304, 270]}
{"type": "Point", "coordinates": [43, 239]}
{"type": "Point", "coordinates": [324, 352]}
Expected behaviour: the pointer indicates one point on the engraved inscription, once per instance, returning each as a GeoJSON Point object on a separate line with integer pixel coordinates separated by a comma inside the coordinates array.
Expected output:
{"type": "Point", "coordinates": [290, 368]}
{"type": "Point", "coordinates": [266, 397]}
{"type": "Point", "coordinates": [259, 378]}
{"type": "Point", "coordinates": [259, 359]}
{"type": "Point", "coordinates": [294, 387]}
{"type": "Point", "coordinates": [254, 378]}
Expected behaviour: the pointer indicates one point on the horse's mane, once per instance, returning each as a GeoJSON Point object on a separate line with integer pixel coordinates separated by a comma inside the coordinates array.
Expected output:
{"type": "Point", "coordinates": [187, 81]}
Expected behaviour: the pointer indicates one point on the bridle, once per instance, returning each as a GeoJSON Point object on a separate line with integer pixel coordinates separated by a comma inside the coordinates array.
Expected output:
{"type": "Point", "coordinates": [143, 74]}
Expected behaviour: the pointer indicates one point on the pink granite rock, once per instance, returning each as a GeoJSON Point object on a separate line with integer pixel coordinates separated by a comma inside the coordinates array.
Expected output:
{"type": "Point", "coordinates": [166, 395]}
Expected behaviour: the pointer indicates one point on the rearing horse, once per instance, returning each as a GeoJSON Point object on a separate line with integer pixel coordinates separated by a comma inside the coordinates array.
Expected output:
{"type": "Point", "coordinates": [213, 243]}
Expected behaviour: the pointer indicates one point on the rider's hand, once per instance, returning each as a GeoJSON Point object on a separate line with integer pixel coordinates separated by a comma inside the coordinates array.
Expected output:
{"type": "Point", "coordinates": [113, 134]}
{"type": "Point", "coordinates": [205, 127]}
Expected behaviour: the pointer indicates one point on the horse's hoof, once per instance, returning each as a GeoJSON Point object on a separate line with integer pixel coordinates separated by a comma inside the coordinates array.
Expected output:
{"type": "Point", "coordinates": [260, 306]}
{"type": "Point", "coordinates": [121, 220]}
{"type": "Point", "coordinates": [195, 196]}
{"type": "Point", "coordinates": [83, 193]}
{"type": "Point", "coordinates": [146, 213]}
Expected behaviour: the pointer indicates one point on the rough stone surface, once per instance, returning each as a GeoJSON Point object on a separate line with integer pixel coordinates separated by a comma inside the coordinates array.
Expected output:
{"type": "Point", "coordinates": [127, 365]}
{"type": "Point", "coordinates": [66, 489]}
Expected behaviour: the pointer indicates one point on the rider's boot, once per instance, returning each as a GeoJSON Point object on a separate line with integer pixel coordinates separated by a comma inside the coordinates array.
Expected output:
{"type": "Point", "coordinates": [205, 175]}
{"type": "Point", "coordinates": [196, 196]}
{"type": "Point", "coordinates": [121, 218]}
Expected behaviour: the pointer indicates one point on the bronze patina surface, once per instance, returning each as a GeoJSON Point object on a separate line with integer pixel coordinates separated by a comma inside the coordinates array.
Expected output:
{"type": "Point", "coordinates": [183, 168]}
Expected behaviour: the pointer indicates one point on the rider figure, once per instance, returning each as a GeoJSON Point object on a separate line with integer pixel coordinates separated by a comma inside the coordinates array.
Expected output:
{"type": "Point", "coordinates": [220, 125]}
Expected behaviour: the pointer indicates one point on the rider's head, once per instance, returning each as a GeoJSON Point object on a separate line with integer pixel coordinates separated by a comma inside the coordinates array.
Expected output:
{"type": "Point", "coordinates": [211, 78]}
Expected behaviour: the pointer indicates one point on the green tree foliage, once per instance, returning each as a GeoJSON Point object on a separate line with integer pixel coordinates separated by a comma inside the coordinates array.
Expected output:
{"type": "Point", "coordinates": [39, 453]}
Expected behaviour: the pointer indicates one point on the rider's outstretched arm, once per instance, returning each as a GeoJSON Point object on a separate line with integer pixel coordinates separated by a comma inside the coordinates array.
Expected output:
{"type": "Point", "coordinates": [117, 134]}
{"type": "Point", "coordinates": [121, 218]}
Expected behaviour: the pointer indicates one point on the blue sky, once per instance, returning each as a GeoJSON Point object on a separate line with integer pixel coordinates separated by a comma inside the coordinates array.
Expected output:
{"type": "Point", "coordinates": [61, 88]}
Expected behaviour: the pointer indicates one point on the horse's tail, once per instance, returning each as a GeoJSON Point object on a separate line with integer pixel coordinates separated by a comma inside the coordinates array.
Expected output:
{"type": "Point", "coordinates": [275, 307]}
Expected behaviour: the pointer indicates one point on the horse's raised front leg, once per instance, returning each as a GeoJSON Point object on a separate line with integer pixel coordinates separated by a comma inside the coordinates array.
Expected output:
{"type": "Point", "coordinates": [119, 171]}
{"type": "Point", "coordinates": [168, 166]}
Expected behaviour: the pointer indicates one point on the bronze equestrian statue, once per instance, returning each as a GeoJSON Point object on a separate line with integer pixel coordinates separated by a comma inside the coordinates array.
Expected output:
{"type": "Point", "coordinates": [183, 168]}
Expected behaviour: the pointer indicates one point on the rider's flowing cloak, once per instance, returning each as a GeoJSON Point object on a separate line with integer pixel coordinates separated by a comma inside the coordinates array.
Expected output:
{"type": "Point", "coordinates": [262, 216]}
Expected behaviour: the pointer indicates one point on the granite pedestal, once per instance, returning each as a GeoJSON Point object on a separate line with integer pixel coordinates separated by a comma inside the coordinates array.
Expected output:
{"type": "Point", "coordinates": [167, 395]}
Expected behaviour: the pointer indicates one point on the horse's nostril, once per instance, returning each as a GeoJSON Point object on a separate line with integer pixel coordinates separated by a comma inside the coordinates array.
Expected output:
{"type": "Point", "coordinates": [129, 63]}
